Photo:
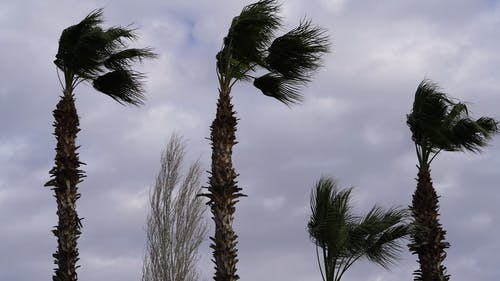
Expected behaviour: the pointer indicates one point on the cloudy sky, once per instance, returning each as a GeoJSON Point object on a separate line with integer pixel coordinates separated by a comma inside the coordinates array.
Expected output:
{"type": "Point", "coordinates": [351, 126]}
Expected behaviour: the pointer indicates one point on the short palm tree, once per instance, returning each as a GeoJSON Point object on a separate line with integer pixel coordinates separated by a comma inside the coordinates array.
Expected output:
{"type": "Point", "coordinates": [87, 53]}
{"type": "Point", "coordinates": [345, 238]}
{"type": "Point", "coordinates": [288, 61]}
{"type": "Point", "coordinates": [438, 123]}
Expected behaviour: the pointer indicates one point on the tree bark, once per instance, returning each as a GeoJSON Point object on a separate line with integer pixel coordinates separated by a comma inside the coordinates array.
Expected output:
{"type": "Point", "coordinates": [65, 175]}
{"type": "Point", "coordinates": [223, 190]}
{"type": "Point", "coordinates": [428, 237]}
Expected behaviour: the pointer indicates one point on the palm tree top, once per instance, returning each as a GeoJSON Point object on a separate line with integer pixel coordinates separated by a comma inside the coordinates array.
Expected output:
{"type": "Point", "coordinates": [438, 123]}
{"type": "Point", "coordinates": [88, 52]}
{"type": "Point", "coordinates": [288, 60]}
{"type": "Point", "coordinates": [347, 237]}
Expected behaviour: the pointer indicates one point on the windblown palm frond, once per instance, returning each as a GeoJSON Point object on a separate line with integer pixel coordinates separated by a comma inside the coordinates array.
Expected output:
{"type": "Point", "coordinates": [124, 59]}
{"type": "Point", "coordinates": [331, 214]}
{"type": "Point", "coordinates": [439, 123]}
{"type": "Point", "coordinates": [298, 52]}
{"type": "Point", "coordinates": [344, 237]}
{"type": "Point", "coordinates": [247, 39]}
{"type": "Point", "coordinates": [87, 52]}
{"type": "Point", "coordinates": [278, 87]}
{"type": "Point", "coordinates": [289, 59]}
{"type": "Point", "coordinates": [81, 45]}
{"type": "Point", "coordinates": [428, 114]}
{"type": "Point", "coordinates": [471, 135]}
{"type": "Point", "coordinates": [251, 31]}
{"type": "Point", "coordinates": [117, 36]}
{"type": "Point", "coordinates": [121, 85]}
{"type": "Point", "coordinates": [383, 230]}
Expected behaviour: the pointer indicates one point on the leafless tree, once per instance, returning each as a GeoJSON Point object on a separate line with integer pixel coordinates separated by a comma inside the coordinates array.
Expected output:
{"type": "Point", "coordinates": [176, 224]}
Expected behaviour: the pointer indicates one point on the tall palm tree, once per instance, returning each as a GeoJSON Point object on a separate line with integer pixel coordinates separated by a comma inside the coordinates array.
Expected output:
{"type": "Point", "coordinates": [288, 60]}
{"type": "Point", "coordinates": [87, 53]}
{"type": "Point", "coordinates": [438, 123]}
{"type": "Point", "coordinates": [344, 237]}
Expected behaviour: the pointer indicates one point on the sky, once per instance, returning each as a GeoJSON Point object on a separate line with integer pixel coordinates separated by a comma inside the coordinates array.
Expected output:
{"type": "Point", "coordinates": [351, 125]}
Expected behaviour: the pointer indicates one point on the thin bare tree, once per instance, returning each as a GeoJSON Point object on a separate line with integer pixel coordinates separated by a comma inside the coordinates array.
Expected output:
{"type": "Point", "coordinates": [175, 224]}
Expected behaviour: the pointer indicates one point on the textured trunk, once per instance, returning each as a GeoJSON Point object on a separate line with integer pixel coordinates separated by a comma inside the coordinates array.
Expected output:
{"type": "Point", "coordinates": [223, 191]}
{"type": "Point", "coordinates": [64, 178]}
{"type": "Point", "coordinates": [428, 238]}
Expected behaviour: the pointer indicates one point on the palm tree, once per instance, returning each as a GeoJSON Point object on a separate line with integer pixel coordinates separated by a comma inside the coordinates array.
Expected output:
{"type": "Point", "coordinates": [87, 53]}
{"type": "Point", "coordinates": [438, 123]}
{"type": "Point", "coordinates": [288, 61]}
{"type": "Point", "coordinates": [345, 238]}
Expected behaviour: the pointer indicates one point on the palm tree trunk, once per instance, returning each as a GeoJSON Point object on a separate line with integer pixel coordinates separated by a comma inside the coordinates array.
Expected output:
{"type": "Point", "coordinates": [65, 176]}
{"type": "Point", "coordinates": [428, 237]}
{"type": "Point", "coordinates": [223, 191]}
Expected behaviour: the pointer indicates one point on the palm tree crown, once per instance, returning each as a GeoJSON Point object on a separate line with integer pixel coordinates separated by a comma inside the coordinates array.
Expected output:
{"type": "Point", "coordinates": [288, 60]}
{"type": "Point", "coordinates": [345, 237]}
{"type": "Point", "coordinates": [87, 52]}
{"type": "Point", "coordinates": [439, 123]}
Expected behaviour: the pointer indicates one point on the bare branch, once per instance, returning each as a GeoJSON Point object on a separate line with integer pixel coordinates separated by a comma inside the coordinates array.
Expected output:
{"type": "Point", "coordinates": [175, 225]}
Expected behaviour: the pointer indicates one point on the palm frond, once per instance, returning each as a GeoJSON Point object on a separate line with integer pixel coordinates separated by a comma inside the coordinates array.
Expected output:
{"type": "Point", "coordinates": [251, 31]}
{"type": "Point", "coordinates": [94, 18]}
{"type": "Point", "coordinates": [331, 215]}
{"type": "Point", "coordinates": [124, 86]}
{"type": "Point", "coordinates": [428, 113]}
{"type": "Point", "coordinates": [89, 52]}
{"type": "Point", "coordinates": [117, 36]}
{"type": "Point", "coordinates": [384, 230]}
{"type": "Point", "coordinates": [76, 51]}
{"type": "Point", "coordinates": [488, 127]}
{"type": "Point", "coordinates": [285, 90]}
{"type": "Point", "coordinates": [467, 134]}
{"type": "Point", "coordinates": [232, 68]}
{"type": "Point", "coordinates": [386, 249]}
{"type": "Point", "coordinates": [123, 59]}
{"type": "Point", "coordinates": [457, 111]}
{"type": "Point", "coordinates": [298, 52]}
{"type": "Point", "coordinates": [247, 38]}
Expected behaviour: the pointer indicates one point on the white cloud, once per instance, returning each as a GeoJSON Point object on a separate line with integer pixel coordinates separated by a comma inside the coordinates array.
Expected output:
{"type": "Point", "coordinates": [273, 203]}
{"type": "Point", "coordinates": [11, 148]}
{"type": "Point", "coordinates": [478, 222]}
{"type": "Point", "coordinates": [334, 6]}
